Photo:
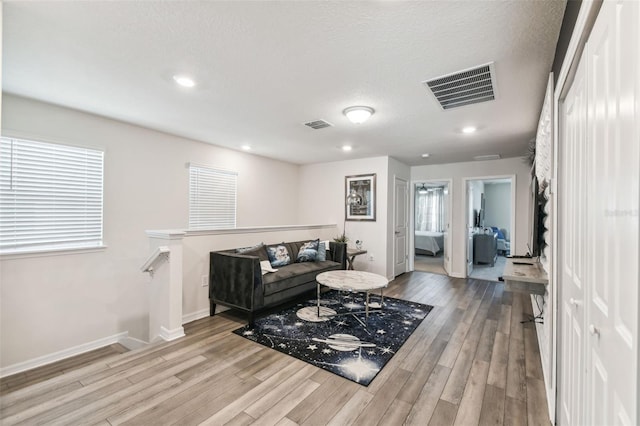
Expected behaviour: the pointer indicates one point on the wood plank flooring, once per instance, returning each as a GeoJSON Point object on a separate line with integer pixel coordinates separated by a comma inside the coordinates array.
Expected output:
{"type": "Point", "coordinates": [470, 362]}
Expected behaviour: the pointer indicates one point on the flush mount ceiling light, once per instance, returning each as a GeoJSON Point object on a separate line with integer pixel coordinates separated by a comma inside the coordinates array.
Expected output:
{"type": "Point", "coordinates": [246, 147]}
{"type": "Point", "coordinates": [468, 130]}
{"type": "Point", "coordinates": [346, 148]}
{"type": "Point", "coordinates": [358, 114]}
{"type": "Point", "coordinates": [426, 155]}
{"type": "Point", "coordinates": [184, 81]}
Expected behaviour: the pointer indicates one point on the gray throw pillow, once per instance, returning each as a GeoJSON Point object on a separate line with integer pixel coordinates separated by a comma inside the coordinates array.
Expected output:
{"type": "Point", "coordinates": [322, 252]}
{"type": "Point", "coordinates": [257, 250]}
{"type": "Point", "coordinates": [308, 252]}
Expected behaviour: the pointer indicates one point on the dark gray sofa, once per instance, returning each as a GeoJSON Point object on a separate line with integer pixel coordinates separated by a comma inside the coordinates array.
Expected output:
{"type": "Point", "coordinates": [236, 280]}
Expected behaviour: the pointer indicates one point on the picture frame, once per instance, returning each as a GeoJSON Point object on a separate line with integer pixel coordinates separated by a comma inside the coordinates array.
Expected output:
{"type": "Point", "coordinates": [361, 206]}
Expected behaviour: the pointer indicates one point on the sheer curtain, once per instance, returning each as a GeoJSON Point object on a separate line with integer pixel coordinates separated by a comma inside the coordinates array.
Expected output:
{"type": "Point", "coordinates": [430, 210]}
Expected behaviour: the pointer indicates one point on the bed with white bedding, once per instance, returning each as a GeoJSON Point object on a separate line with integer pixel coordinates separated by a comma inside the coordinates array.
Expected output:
{"type": "Point", "coordinates": [428, 242]}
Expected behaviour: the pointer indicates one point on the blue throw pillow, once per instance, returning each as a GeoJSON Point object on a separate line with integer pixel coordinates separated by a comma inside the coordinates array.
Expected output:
{"type": "Point", "coordinates": [498, 231]}
{"type": "Point", "coordinates": [278, 255]}
{"type": "Point", "coordinates": [246, 249]}
{"type": "Point", "coordinates": [322, 252]}
{"type": "Point", "coordinates": [308, 252]}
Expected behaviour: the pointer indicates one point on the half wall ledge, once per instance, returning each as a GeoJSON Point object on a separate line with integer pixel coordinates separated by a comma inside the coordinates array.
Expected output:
{"type": "Point", "coordinates": [179, 285]}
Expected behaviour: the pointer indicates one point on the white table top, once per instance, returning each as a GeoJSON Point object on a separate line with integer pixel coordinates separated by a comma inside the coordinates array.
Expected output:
{"type": "Point", "coordinates": [352, 280]}
{"type": "Point", "coordinates": [525, 270]}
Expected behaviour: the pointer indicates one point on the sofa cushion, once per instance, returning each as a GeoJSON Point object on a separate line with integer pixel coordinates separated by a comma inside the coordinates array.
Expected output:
{"type": "Point", "coordinates": [279, 255]}
{"type": "Point", "coordinates": [308, 252]}
{"type": "Point", "coordinates": [257, 250]}
{"type": "Point", "coordinates": [295, 274]}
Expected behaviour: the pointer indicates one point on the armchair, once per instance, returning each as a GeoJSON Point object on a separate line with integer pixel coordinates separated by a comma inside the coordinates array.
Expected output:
{"type": "Point", "coordinates": [504, 245]}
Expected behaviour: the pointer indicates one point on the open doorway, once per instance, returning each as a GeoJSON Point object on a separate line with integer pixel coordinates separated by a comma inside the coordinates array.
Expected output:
{"type": "Point", "coordinates": [490, 225]}
{"type": "Point", "coordinates": [431, 227]}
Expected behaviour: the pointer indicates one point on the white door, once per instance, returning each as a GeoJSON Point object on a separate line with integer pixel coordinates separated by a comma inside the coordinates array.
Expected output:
{"type": "Point", "coordinates": [572, 204]}
{"type": "Point", "coordinates": [612, 312]}
{"type": "Point", "coordinates": [401, 225]}
{"type": "Point", "coordinates": [599, 235]}
{"type": "Point", "coordinates": [446, 199]}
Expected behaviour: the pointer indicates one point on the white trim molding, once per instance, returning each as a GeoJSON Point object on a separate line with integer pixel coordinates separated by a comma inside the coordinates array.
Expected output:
{"type": "Point", "coordinates": [63, 354]}
{"type": "Point", "coordinates": [193, 316]}
{"type": "Point", "coordinates": [178, 234]}
{"type": "Point", "coordinates": [169, 335]}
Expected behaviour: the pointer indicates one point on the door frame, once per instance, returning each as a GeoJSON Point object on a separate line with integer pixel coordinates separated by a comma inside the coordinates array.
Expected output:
{"type": "Point", "coordinates": [463, 237]}
{"type": "Point", "coordinates": [412, 221]}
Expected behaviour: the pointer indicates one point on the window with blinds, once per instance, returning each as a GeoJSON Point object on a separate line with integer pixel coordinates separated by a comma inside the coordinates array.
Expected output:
{"type": "Point", "coordinates": [212, 198]}
{"type": "Point", "coordinates": [50, 196]}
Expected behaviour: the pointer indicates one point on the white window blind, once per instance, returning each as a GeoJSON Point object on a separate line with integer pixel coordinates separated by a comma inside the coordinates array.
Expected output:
{"type": "Point", "coordinates": [212, 198]}
{"type": "Point", "coordinates": [50, 196]}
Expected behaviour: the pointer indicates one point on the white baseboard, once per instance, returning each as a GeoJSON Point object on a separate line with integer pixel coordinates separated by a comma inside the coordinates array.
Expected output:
{"type": "Point", "coordinates": [169, 335]}
{"type": "Point", "coordinates": [132, 343]}
{"type": "Point", "coordinates": [457, 275]}
{"type": "Point", "coordinates": [60, 355]}
{"type": "Point", "coordinates": [195, 315]}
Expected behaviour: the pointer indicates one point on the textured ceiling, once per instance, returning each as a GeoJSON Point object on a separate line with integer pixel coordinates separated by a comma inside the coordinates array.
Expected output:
{"type": "Point", "coordinates": [265, 68]}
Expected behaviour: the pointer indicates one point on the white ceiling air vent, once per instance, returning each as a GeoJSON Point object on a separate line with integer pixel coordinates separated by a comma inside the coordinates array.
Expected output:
{"type": "Point", "coordinates": [318, 124]}
{"type": "Point", "coordinates": [466, 87]}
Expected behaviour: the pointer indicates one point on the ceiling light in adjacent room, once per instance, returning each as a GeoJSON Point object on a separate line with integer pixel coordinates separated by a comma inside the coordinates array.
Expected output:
{"type": "Point", "coordinates": [358, 114]}
{"type": "Point", "coordinates": [468, 130]}
{"type": "Point", "coordinates": [184, 81]}
{"type": "Point", "coordinates": [346, 148]}
{"type": "Point", "coordinates": [426, 155]}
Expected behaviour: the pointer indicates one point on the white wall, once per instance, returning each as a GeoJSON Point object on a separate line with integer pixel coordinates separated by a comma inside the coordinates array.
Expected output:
{"type": "Point", "coordinates": [498, 205]}
{"type": "Point", "coordinates": [52, 303]}
{"type": "Point", "coordinates": [322, 200]}
{"type": "Point", "coordinates": [479, 169]}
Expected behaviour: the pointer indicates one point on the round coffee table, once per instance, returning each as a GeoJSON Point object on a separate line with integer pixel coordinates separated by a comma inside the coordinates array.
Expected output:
{"type": "Point", "coordinates": [353, 281]}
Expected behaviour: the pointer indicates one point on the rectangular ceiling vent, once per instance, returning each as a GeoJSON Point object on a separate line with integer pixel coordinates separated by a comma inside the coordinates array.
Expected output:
{"type": "Point", "coordinates": [318, 124]}
{"type": "Point", "coordinates": [466, 87]}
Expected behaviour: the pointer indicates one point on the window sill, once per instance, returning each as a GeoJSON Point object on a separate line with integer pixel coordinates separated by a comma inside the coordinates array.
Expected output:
{"type": "Point", "coordinates": [50, 252]}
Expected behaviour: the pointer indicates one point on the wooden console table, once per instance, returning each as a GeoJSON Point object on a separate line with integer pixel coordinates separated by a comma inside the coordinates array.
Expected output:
{"type": "Point", "coordinates": [351, 255]}
{"type": "Point", "coordinates": [525, 275]}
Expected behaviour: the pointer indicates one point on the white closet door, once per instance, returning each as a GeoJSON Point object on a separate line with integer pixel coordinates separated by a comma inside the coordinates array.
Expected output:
{"type": "Point", "coordinates": [612, 322]}
{"type": "Point", "coordinates": [572, 204]}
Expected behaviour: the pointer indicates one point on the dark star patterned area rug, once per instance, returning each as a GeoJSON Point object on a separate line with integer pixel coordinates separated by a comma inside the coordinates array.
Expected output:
{"type": "Point", "coordinates": [343, 341]}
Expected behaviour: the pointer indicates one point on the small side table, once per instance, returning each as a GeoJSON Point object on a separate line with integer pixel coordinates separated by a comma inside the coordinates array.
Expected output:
{"type": "Point", "coordinates": [351, 255]}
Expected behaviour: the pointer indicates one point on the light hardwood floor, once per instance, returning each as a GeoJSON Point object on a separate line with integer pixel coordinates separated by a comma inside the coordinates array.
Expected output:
{"type": "Point", "coordinates": [470, 362]}
{"type": "Point", "coordinates": [425, 263]}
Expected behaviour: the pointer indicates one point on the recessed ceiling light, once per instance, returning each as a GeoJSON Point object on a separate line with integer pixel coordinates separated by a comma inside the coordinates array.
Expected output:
{"type": "Point", "coordinates": [358, 114]}
{"type": "Point", "coordinates": [184, 81]}
{"type": "Point", "coordinates": [426, 155]}
{"type": "Point", "coordinates": [468, 130]}
{"type": "Point", "coordinates": [346, 148]}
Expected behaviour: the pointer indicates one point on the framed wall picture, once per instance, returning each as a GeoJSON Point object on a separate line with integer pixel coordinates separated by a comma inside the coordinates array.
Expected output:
{"type": "Point", "coordinates": [360, 197]}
